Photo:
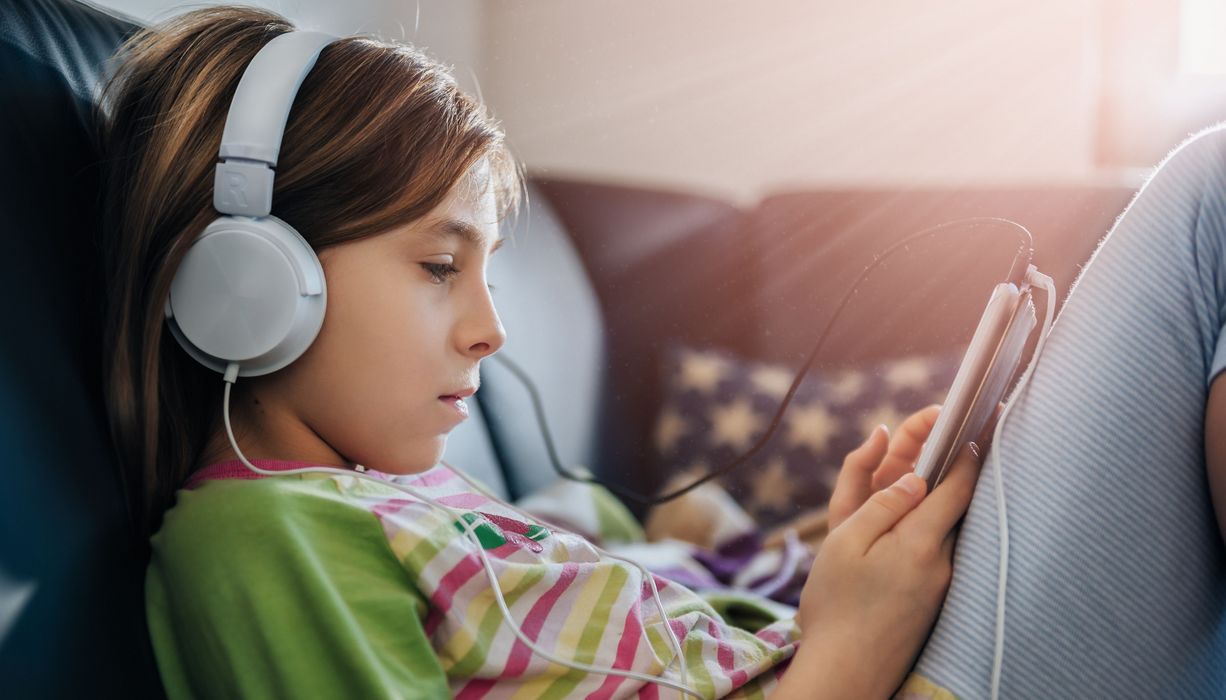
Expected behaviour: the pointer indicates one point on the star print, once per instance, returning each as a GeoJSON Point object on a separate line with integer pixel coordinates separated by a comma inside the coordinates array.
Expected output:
{"type": "Point", "coordinates": [734, 424]}
{"type": "Point", "coordinates": [701, 371]}
{"type": "Point", "coordinates": [772, 488]}
{"type": "Point", "coordinates": [669, 428]}
{"type": "Point", "coordinates": [812, 426]}
{"type": "Point", "coordinates": [913, 373]}
{"type": "Point", "coordinates": [686, 475]}
{"type": "Point", "coordinates": [847, 386]}
{"type": "Point", "coordinates": [772, 380]}
{"type": "Point", "coordinates": [697, 469]}
{"type": "Point", "coordinates": [885, 413]}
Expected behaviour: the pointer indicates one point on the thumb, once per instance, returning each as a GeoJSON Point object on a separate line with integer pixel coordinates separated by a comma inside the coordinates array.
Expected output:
{"type": "Point", "coordinates": [882, 511]}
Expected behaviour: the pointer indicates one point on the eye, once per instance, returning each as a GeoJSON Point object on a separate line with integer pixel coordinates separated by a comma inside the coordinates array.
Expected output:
{"type": "Point", "coordinates": [440, 271]}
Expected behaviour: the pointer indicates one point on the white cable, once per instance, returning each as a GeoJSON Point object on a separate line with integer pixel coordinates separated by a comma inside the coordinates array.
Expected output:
{"type": "Point", "coordinates": [1033, 276]}
{"type": "Point", "coordinates": [231, 375]}
{"type": "Point", "coordinates": [651, 581]}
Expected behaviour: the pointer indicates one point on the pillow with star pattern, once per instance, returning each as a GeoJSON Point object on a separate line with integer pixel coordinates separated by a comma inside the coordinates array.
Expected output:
{"type": "Point", "coordinates": [717, 405]}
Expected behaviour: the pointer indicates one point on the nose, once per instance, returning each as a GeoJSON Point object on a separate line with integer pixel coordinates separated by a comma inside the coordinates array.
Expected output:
{"type": "Point", "coordinates": [487, 335]}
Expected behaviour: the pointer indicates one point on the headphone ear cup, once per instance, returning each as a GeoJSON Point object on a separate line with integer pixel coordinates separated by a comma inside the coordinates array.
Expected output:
{"type": "Point", "coordinates": [250, 291]}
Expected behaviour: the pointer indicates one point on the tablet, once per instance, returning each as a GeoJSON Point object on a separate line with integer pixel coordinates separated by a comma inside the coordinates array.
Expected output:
{"type": "Point", "coordinates": [982, 379]}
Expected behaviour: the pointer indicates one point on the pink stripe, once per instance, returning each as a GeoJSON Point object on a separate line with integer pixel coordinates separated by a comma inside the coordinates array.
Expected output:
{"type": "Point", "coordinates": [771, 637]}
{"type": "Point", "coordinates": [235, 469]}
{"type": "Point", "coordinates": [434, 477]}
{"type": "Point", "coordinates": [661, 586]}
{"type": "Point", "coordinates": [433, 619]}
{"type": "Point", "coordinates": [723, 653]}
{"type": "Point", "coordinates": [463, 500]}
{"type": "Point", "coordinates": [453, 580]}
{"type": "Point", "coordinates": [650, 691]}
{"type": "Point", "coordinates": [679, 629]}
{"type": "Point", "coordinates": [503, 551]}
{"type": "Point", "coordinates": [474, 689]}
{"type": "Point", "coordinates": [517, 661]}
{"type": "Point", "coordinates": [391, 506]}
{"type": "Point", "coordinates": [627, 647]}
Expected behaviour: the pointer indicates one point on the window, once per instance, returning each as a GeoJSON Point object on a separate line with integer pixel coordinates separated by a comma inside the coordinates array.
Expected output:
{"type": "Point", "coordinates": [1162, 77]}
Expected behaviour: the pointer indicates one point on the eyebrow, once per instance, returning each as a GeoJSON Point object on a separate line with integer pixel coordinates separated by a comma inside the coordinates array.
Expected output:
{"type": "Point", "coordinates": [455, 228]}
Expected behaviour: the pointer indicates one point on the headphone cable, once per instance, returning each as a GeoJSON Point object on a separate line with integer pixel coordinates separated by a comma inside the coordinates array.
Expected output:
{"type": "Point", "coordinates": [1017, 271]}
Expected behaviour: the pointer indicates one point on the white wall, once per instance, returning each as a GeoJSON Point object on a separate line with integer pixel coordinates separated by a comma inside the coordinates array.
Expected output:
{"type": "Point", "coordinates": [742, 98]}
{"type": "Point", "coordinates": [446, 29]}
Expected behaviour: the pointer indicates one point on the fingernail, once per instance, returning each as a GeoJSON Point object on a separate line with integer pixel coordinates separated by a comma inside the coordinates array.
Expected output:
{"type": "Point", "coordinates": [908, 482]}
{"type": "Point", "coordinates": [871, 433]}
{"type": "Point", "coordinates": [975, 451]}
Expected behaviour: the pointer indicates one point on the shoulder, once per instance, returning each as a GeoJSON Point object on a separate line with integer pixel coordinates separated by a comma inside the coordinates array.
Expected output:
{"type": "Point", "coordinates": [261, 524]}
{"type": "Point", "coordinates": [242, 507]}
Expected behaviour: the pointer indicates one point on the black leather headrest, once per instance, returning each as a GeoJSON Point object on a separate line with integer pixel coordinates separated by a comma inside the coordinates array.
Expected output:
{"type": "Point", "coordinates": [71, 600]}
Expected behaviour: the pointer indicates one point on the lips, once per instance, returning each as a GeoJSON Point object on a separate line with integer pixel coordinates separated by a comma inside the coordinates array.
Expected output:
{"type": "Point", "coordinates": [461, 394]}
{"type": "Point", "coordinates": [455, 404]}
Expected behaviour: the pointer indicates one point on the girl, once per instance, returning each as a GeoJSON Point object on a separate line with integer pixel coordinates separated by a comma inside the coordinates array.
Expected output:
{"type": "Point", "coordinates": [330, 585]}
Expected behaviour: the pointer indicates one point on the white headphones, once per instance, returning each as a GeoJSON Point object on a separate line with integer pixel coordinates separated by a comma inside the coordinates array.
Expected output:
{"type": "Point", "coordinates": [249, 296]}
{"type": "Point", "coordinates": [251, 290]}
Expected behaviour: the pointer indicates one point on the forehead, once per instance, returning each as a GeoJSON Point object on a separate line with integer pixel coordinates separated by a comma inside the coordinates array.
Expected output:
{"type": "Point", "coordinates": [445, 228]}
{"type": "Point", "coordinates": [466, 214]}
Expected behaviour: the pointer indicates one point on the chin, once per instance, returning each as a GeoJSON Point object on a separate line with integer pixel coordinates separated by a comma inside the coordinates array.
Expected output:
{"type": "Point", "coordinates": [416, 458]}
{"type": "Point", "coordinates": [433, 453]}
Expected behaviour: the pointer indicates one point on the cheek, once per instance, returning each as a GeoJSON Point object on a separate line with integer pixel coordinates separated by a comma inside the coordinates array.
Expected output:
{"type": "Point", "coordinates": [376, 308]}
{"type": "Point", "coordinates": [370, 382]}
{"type": "Point", "coordinates": [380, 338]}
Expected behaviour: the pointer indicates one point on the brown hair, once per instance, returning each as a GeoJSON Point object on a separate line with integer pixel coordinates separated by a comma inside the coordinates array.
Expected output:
{"type": "Point", "coordinates": [377, 136]}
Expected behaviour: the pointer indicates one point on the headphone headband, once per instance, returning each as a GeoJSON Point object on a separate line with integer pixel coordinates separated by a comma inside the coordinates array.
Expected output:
{"type": "Point", "coordinates": [256, 122]}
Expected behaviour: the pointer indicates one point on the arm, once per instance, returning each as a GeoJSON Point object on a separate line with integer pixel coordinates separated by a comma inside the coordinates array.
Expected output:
{"type": "Point", "coordinates": [880, 576]}
{"type": "Point", "coordinates": [281, 588]}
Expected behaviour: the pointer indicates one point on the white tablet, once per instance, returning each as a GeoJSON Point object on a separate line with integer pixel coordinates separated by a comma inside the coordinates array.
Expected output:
{"type": "Point", "coordinates": [981, 381]}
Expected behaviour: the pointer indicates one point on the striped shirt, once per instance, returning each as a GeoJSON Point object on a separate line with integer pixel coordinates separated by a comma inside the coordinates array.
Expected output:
{"type": "Point", "coordinates": [328, 585]}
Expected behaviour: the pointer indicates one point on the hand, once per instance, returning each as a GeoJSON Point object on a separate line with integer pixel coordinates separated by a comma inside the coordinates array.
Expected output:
{"type": "Point", "coordinates": [879, 461]}
{"type": "Point", "coordinates": [882, 460]}
{"type": "Point", "coordinates": [877, 584]}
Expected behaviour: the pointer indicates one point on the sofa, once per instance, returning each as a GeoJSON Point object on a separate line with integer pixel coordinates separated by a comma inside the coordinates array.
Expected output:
{"type": "Point", "coordinates": [601, 279]}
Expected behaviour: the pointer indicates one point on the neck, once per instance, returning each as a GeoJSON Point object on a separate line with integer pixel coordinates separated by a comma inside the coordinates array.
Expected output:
{"type": "Point", "coordinates": [264, 431]}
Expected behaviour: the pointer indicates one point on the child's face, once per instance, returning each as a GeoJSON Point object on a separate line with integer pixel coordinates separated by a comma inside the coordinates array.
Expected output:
{"type": "Point", "coordinates": [394, 339]}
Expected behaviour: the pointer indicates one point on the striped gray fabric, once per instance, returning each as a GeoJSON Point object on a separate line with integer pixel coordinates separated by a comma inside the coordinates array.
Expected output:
{"type": "Point", "coordinates": [1116, 581]}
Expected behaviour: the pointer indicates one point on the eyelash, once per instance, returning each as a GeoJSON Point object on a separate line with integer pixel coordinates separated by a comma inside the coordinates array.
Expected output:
{"type": "Point", "coordinates": [441, 272]}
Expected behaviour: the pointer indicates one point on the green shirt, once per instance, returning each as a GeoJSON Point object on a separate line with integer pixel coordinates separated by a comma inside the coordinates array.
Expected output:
{"type": "Point", "coordinates": [282, 587]}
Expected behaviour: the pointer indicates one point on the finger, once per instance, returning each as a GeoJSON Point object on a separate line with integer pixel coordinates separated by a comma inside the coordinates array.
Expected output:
{"type": "Point", "coordinates": [949, 547]}
{"type": "Point", "coordinates": [882, 511]}
{"type": "Point", "coordinates": [948, 502]}
{"type": "Point", "coordinates": [905, 446]}
{"type": "Point", "coordinates": [854, 483]}
{"type": "Point", "coordinates": [951, 539]}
